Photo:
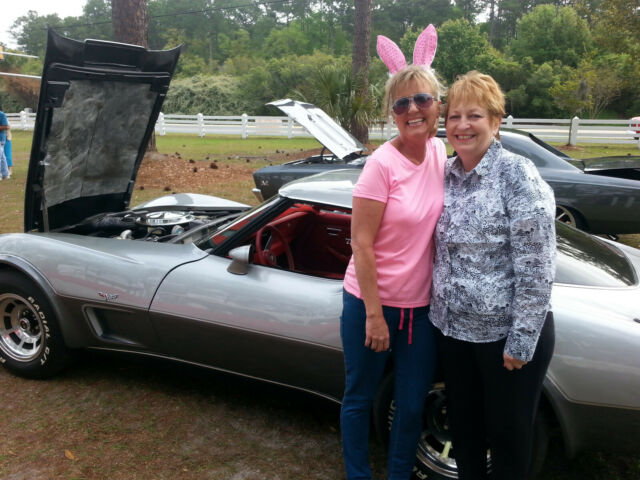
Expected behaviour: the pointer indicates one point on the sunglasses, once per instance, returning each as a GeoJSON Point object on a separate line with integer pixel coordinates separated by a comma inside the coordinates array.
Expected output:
{"type": "Point", "coordinates": [422, 101]}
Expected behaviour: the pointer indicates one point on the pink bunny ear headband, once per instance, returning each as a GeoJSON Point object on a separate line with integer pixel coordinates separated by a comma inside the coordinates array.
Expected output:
{"type": "Point", "coordinates": [423, 52]}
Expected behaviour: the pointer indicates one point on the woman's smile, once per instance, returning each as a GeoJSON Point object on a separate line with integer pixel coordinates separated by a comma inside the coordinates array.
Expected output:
{"type": "Point", "coordinates": [415, 122]}
{"type": "Point", "coordinates": [470, 130]}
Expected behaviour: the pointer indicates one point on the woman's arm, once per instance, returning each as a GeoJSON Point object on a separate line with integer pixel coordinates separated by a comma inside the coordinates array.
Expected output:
{"type": "Point", "coordinates": [365, 222]}
{"type": "Point", "coordinates": [531, 210]}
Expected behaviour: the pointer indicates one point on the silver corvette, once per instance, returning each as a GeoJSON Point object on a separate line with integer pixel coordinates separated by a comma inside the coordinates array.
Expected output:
{"type": "Point", "coordinates": [256, 292]}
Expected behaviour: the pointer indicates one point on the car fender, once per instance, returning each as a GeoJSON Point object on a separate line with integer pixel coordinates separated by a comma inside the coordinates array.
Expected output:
{"type": "Point", "coordinates": [560, 412]}
{"type": "Point", "coordinates": [18, 264]}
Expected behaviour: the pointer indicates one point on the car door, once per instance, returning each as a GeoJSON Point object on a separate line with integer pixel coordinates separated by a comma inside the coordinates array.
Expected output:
{"type": "Point", "coordinates": [269, 323]}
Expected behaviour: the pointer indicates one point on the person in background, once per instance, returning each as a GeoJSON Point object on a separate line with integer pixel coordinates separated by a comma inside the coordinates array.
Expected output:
{"type": "Point", "coordinates": [396, 204]}
{"type": "Point", "coordinates": [8, 154]}
{"type": "Point", "coordinates": [4, 128]}
{"type": "Point", "coordinates": [494, 268]}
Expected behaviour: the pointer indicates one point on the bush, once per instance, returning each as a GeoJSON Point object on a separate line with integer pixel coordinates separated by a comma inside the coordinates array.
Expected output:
{"type": "Point", "coordinates": [10, 104]}
{"type": "Point", "coordinates": [210, 95]}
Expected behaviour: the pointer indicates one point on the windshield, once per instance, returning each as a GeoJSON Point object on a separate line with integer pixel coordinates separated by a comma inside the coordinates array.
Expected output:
{"type": "Point", "coordinates": [588, 261]}
{"type": "Point", "coordinates": [541, 154]}
{"type": "Point", "coordinates": [219, 234]}
{"type": "Point", "coordinates": [548, 147]}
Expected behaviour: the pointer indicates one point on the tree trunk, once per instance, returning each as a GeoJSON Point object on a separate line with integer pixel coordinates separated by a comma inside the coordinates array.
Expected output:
{"type": "Point", "coordinates": [131, 25]}
{"type": "Point", "coordinates": [360, 59]}
{"type": "Point", "coordinates": [492, 21]}
{"type": "Point", "coordinates": [130, 22]}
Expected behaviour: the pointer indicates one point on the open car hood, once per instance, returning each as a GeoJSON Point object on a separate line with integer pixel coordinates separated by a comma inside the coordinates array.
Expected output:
{"type": "Point", "coordinates": [340, 142]}
{"type": "Point", "coordinates": [98, 105]}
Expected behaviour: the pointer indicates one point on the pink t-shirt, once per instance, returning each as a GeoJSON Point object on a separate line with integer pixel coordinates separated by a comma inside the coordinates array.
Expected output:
{"type": "Point", "coordinates": [403, 247]}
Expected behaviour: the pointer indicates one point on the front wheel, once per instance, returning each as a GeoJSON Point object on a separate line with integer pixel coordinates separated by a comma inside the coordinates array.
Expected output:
{"type": "Point", "coordinates": [31, 343]}
{"type": "Point", "coordinates": [569, 217]}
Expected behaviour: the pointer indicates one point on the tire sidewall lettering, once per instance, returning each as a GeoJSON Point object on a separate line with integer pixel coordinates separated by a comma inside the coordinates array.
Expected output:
{"type": "Point", "coordinates": [46, 354]}
{"type": "Point", "coordinates": [46, 330]}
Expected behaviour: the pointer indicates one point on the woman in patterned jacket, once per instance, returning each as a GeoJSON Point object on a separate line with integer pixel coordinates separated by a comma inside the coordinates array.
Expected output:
{"type": "Point", "coordinates": [494, 268]}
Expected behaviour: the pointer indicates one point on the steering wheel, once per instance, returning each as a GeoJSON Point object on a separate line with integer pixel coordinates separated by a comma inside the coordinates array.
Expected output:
{"type": "Point", "coordinates": [265, 255]}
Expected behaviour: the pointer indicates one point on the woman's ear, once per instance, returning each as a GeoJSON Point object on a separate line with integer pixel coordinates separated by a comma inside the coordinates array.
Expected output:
{"type": "Point", "coordinates": [496, 126]}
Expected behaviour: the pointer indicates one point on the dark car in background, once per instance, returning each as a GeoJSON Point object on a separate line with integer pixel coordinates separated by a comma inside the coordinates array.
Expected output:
{"type": "Point", "coordinates": [598, 195]}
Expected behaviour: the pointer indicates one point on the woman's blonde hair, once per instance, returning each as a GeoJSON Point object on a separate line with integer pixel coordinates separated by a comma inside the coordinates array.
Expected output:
{"type": "Point", "coordinates": [416, 73]}
{"type": "Point", "coordinates": [476, 87]}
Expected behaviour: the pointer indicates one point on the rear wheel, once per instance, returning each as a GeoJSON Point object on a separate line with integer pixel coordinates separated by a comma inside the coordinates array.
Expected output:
{"type": "Point", "coordinates": [31, 343]}
{"type": "Point", "coordinates": [435, 456]}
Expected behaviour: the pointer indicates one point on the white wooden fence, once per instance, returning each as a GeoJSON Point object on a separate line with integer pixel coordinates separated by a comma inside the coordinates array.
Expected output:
{"type": "Point", "coordinates": [571, 131]}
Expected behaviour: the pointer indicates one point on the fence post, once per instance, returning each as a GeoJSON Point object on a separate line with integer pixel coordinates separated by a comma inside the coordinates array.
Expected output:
{"type": "Point", "coordinates": [24, 117]}
{"type": "Point", "coordinates": [510, 121]}
{"type": "Point", "coordinates": [289, 127]}
{"type": "Point", "coordinates": [245, 133]}
{"type": "Point", "coordinates": [160, 125]}
{"type": "Point", "coordinates": [200, 120]}
{"type": "Point", "coordinates": [573, 131]}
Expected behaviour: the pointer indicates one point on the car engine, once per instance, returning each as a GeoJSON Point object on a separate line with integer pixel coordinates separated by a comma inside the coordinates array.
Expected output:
{"type": "Point", "coordinates": [154, 226]}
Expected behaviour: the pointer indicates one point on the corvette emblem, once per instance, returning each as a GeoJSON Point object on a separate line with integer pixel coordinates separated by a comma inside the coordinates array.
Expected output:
{"type": "Point", "coordinates": [109, 297]}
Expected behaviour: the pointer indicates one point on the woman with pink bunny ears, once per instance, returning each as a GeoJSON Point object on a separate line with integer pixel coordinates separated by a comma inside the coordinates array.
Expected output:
{"type": "Point", "coordinates": [396, 205]}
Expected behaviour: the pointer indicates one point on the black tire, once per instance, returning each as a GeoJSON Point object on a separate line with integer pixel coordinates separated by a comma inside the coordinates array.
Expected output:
{"type": "Point", "coordinates": [435, 456]}
{"type": "Point", "coordinates": [540, 443]}
{"type": "Point", "coordinates": [31, 343]}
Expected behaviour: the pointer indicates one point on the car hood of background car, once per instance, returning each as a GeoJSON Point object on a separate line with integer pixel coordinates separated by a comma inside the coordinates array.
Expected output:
{"type": "Point", "coordinates": [599, 164]}
{"type": "Point", "coordinates": [340, 142]}
{"type": "Point", "coordinates": [97, 109]}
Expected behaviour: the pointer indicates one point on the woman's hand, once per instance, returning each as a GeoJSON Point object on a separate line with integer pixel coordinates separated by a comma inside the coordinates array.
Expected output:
{"type": "Point", "coordinates": [510, 363]}
{"type": "Point", "coordinates": [377, 333]}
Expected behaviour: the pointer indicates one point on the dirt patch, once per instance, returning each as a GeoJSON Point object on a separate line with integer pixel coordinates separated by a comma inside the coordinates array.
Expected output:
{"type": "Point", "coordinates": [177, 174]}
{"type": "Point", "coordinates": [174, 173]}
{"type": "Point", "coordinates": [569, 148]}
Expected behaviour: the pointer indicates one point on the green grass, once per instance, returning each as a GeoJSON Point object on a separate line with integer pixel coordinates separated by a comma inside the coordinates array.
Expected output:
{"type": "Point", "coordinates": [590, 150]}
{"type": "Point", "coordinates": [228, 147]}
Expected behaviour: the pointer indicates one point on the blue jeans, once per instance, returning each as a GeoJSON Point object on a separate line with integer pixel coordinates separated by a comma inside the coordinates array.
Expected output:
{"type": "Point", "coordinates": [8, 153]}
{"type": "Point", "coordinates": [4, 168]}
{"type": "Point", "coordinates": [413, 368]}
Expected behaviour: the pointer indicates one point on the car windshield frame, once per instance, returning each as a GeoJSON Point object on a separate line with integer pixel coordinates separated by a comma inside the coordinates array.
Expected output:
{"type": "Point", "coordinates": [540, 153]}
{"type": "Point", "coordinates": [246, 220]}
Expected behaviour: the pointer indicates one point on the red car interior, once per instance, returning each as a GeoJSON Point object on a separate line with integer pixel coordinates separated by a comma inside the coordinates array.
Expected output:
{"type": "Point", "coordinates": [307, 239]}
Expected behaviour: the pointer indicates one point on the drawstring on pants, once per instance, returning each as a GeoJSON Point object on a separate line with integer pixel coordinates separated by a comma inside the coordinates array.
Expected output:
{"type": "Point", "coordinates": [410, 322]}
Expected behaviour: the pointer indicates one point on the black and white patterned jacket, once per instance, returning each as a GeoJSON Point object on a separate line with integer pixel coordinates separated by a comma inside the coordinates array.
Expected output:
{"type": "Point", "coordinates": [495, 251]}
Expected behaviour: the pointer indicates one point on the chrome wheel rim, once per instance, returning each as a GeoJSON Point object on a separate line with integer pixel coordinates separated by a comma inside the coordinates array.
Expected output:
{"type": "Point", "coordinates": [565, 216]}
{"type": "Point", "coordinates": [435, 449]}
{"type": "Point", "coordinates": [20, 328]}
